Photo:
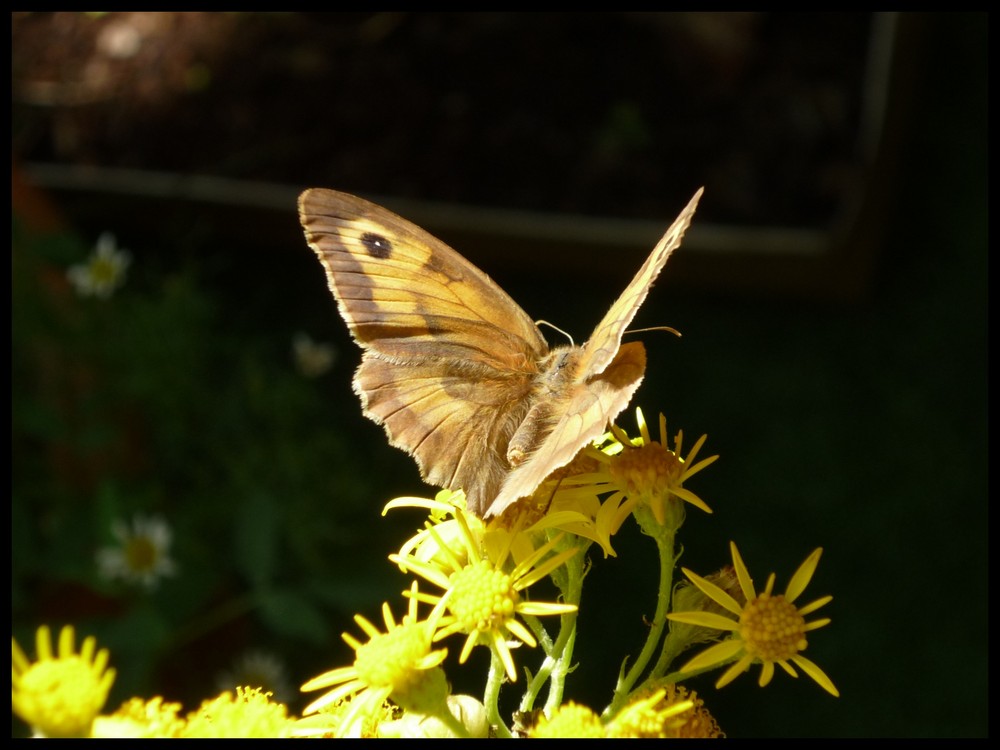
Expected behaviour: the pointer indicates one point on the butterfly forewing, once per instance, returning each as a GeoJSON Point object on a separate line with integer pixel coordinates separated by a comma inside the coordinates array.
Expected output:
{"type": "Point", "coordinates": [602, 346]}
{"type": "Point", "coordinates": [401, 289]}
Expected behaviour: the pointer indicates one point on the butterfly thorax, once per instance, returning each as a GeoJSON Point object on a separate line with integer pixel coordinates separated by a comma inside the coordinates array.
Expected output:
{"type": "Point", "coordinates": [555, 371]}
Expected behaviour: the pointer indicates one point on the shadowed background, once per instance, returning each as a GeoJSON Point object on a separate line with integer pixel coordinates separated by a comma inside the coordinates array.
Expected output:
{"type": "Point", "coordinates": [842, 381]}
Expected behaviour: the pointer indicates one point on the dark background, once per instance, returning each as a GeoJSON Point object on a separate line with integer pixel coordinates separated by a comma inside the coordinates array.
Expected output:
{"type": "Point", "coordinates": [853, 421]}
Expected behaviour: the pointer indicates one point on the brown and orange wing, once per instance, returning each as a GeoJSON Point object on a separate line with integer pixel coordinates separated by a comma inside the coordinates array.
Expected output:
{"type": "Point", "coordinates": [448, 356]}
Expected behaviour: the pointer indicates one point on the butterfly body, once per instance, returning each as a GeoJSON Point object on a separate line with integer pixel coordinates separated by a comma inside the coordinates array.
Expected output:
{"type": "Point", "coordinates": [456, 372]}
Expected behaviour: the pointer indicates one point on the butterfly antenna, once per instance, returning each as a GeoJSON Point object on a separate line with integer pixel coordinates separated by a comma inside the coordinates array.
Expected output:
{"type": "Point", "coordinates": [655, 328]}
{"type": "Point", "coordinates": [557, 328]}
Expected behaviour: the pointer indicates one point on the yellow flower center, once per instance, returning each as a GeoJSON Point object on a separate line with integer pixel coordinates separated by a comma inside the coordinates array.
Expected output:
{"type": "Point", "coordinates": [104, 270]}
{"type": "Point", "coordinates": [60, 697]}
{"type": "Point", "coordinates": [651, 469]}
{"type": "Point", "coordinates": [141, 554]}
{"type": "Point", "coordinates": [772, 628]}
{"type": "Point", "coordinates": [390, 659]}
{"type": "Point", "coordinates": [483, 598]}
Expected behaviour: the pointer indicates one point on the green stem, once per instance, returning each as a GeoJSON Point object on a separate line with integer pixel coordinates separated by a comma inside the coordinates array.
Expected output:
{"type": "Point", "coordinates": [671, 649]}
{"type": "Point", "coordinates": [559, 655]}
{"type": "Point", "coordinates": [562, 664]}
{"type": "Point", "coordinates": [491, 696]}
{"type": "Point", "coordinates": [664, 538]}
{"type": "Point", "coordinates": [536, 683]}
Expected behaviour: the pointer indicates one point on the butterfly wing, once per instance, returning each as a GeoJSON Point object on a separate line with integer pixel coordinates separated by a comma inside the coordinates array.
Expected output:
{"type": "Point", "coordinates": [604, 376]}
{"type": "Point", "coordinates": [603, 345]}
{"type": "Point", "coordinates": [448, 357]}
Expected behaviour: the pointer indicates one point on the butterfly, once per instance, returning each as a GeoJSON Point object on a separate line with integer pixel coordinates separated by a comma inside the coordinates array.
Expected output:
{"type": "Point", "coordinates": [456, 372]}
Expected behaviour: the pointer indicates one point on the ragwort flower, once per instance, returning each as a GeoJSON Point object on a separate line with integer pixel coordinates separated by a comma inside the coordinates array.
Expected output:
{"type": "Point", "coordinates": [61, 693]}
{"type": "Point", "coordinates": [482, 597]}
{"type": "Point", "coordinates": [137, 718]}
{"type": "Point", "coordinates": [569, 720]}
{"type": "Point", "coordinates": [398, 664]}
{"type": "Point", "coordinates": [665, 711]}
{"type": "Point", "coordinates": [650, 471]}
{"type": "Point", "coordinates": [769, 629]}
{"type": "Point", "coordinates": [655, 715]}
{"type": "Point", "coordinates": [248, 713]}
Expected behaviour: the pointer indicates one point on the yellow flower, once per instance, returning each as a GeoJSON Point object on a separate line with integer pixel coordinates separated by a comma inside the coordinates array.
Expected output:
{"type": "Point", "coordinates": [569, 720]}
{"type": "Point", "coordinates": [649, 471]}
{"type": "Point", "coordinates": [482, 597]}
{"type": "Point", "coordinates": [259, 669]}
{"type": "Point", "coordinates": [328, 721]}
{"type": "Point", "coordinates": [137, 718]}
{"type": "Point", "coordinates": [248, 713]}
{"type": "Point", "coordinates": [433, 546]}
{"type": "Point", "coordinates": [664, 713]}
{"type": "Point", "coordinates": [569, 500]}
{"type": "Point", "coordinates": [518, 531]}
{"type": "Point", "coordinates": [669, 711]}
{"type": "Point", "coordinates": [651, 716]}
{"type": "Point", "coordinates": [398, 664]}
{"type": "Point", "coordinates": [60, 694]}
{"type": "Point", "coordinates": [696, 723]}
{"type": "Point", "coordinates": [769, 630]}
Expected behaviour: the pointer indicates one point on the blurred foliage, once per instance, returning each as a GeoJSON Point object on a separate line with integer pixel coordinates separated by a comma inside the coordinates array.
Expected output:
{"type": "Point", "coordinates": [151, 401]}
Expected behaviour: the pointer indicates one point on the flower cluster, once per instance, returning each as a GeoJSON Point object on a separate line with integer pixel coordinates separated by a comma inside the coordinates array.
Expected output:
{"type": "Point", "coordinates": [483, 574]}
{"type": "Point", "coordinates": [62, 694]}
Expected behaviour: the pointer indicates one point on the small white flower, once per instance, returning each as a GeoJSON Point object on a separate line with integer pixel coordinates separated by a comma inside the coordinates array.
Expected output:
{"type": "Point", "coordinates": [311, 357]}
{"type": "Point", "coordinates": [142, 555]}
{"type": "Point", "coordinates": [103, 271]}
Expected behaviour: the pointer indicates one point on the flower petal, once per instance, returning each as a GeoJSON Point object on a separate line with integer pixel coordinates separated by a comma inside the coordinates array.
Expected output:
{"type": "Point", "coordinates": [813, 606]}
{"type": "Point", "coordinates": [803, 575]}
{"type": "Point", "coordinates": [705, 620]}
{"type": "Point", "coordinates": [715, 655]}
{"type": "Point", "coordinates": [746, 582]}
{"type": "Point", "coordinates": [817, 674]}
{"type": "Point", "coordinates": [716, 593]}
